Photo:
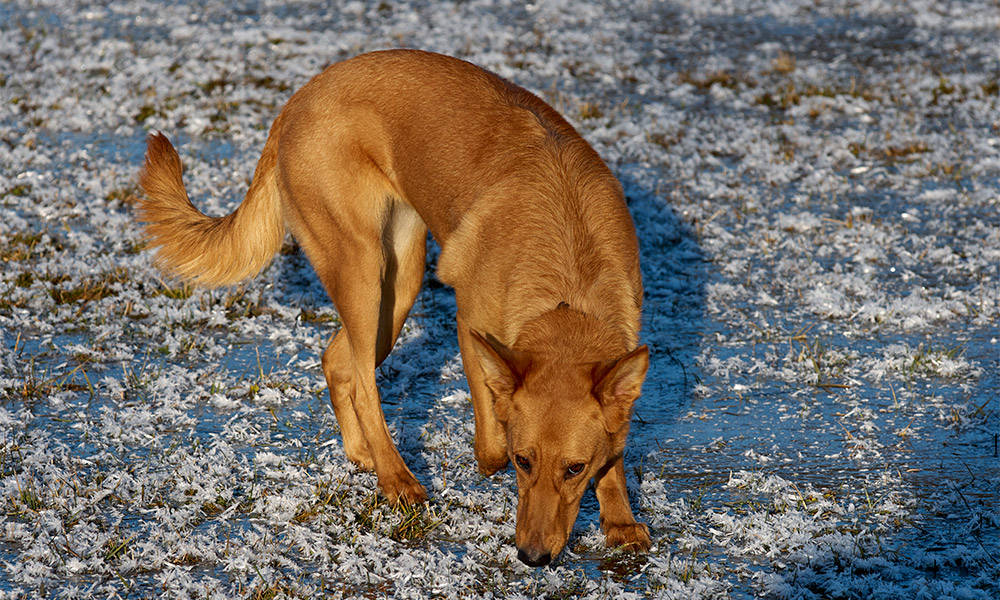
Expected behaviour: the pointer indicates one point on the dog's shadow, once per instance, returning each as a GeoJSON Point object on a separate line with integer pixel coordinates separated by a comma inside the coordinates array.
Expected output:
{"type": "Point", "coordinates": [674, 273]}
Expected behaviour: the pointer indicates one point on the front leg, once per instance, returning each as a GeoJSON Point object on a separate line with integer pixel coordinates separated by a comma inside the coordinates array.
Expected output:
{"type": "Point", "coordinates": [490, 444]}
{"type": "Point", "coordinates": [620, 527]}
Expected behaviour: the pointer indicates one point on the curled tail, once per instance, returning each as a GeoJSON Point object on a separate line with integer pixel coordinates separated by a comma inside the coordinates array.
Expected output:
{"type": "Point", "coordinates": [209, 251]}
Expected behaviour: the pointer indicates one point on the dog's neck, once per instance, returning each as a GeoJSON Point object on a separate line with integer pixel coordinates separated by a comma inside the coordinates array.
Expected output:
{"type": "Point", "coordinates": [565, 334]}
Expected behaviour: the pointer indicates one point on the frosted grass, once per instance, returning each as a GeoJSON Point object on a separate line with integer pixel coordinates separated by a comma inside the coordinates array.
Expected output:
{"type": "Point", "coordinates": [816, 194]}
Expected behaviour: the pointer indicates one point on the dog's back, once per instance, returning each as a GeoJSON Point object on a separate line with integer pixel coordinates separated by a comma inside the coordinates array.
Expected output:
{"type": "Point", "coordinates": [526, 212]}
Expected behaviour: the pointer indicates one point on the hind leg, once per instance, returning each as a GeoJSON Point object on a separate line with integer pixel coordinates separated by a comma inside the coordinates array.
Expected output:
{"type": "Point", "coordinates": [405, 254]}
{"type": "Point", "coordinates": [373, 291]}
{"type": "Point", "coordinates": [368, 250]}
{"type": "Point", "coordinates": [337, 367]}
{"type": "Point", "coordinates": [374, 295]}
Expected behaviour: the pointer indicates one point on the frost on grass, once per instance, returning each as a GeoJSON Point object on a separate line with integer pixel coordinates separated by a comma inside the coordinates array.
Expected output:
{"type": "Point", "coordinates": [815, 191]}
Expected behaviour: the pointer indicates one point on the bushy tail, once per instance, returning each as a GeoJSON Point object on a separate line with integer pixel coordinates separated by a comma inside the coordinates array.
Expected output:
{"type": "Point", "coordinates": [209, 251]}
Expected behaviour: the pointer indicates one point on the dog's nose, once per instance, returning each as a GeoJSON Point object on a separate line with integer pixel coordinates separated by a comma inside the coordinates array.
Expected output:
{"type": "Point", "coordinates": [534, 559]}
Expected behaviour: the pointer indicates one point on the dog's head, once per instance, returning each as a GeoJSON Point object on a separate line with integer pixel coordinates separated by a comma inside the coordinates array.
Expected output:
{"type": "Point", "coordinates": [565, 422]}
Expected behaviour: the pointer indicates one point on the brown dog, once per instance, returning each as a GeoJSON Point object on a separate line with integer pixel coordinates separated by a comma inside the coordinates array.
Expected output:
{"type": "Point", "coordinates": [535, 238]}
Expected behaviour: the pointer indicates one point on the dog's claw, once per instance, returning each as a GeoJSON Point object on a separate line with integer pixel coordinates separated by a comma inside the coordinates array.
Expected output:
{"type": "Point", "coordinates": [630, 536]}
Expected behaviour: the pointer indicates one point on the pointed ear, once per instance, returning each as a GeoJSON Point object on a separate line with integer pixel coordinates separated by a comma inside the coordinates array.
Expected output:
{"type": "Point", "coordinates": [618, 385]}
{"type": "Point", "coordinates": [503, 370]}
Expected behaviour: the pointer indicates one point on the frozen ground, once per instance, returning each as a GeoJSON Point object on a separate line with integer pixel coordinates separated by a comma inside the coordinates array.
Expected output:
{"type": "Point", "coordinates": [816, 190]}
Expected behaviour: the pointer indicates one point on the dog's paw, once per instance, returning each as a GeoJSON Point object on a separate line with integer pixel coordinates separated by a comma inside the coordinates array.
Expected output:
{"type": "Point", "coordinates": [490, 465]}
{"type": "Point", "coordinates": [491, 455]}
{"type": "Point", "coordinates": [630, 536]}
{"type": "Point", "coordinates": [403, 490]}
{"type": "Point", "coordinates": [362, 459]}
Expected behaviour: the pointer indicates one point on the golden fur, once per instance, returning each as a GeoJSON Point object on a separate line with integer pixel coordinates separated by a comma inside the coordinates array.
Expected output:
{"type": "Point", "coordinates": [536, 240]}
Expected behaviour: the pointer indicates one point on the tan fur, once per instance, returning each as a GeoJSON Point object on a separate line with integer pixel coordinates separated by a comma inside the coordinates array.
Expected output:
{"type": "Point", "coordinates": [536, 240]}
{"type": "Point", "coordinates": [210, 251]}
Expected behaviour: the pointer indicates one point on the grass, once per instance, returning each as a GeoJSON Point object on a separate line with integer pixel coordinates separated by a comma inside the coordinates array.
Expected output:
{"type": "Point", "coordinates": [29, 498]}
{"type": "Point", "coordinates": [24, 279]}
{"type": "Point", "coordinates": [574, 588]}
{"type": "Point", "coordinates": [784, 63]}
{"type": "Point", "coordinates": [665, 141]}
{"type": "Point", "coordinates": [125, 194]}
{"type": "Point", "coordinates": [402, 523]}
{"type": "Point", "coordinates": [825, 363]}
{"type": "Point", "coordinates": [90, 289]}
{"type": "Point", "coordinates": [696, 500]}
{"type": "Point", "coordinates": [242, 303]}
{"type": "Point", "coordinates": [790, 94]}
{"type": "Point", "coordinates": [927, 360]}
{"type": "Point", "coordinates": [309, 315]}
{"type": "Point", "coordinates": [35, 387]}
{"type": "Point", "coordinates": [23, 246]}
{"type": "Point", "coordinates": [582, 109]}
{"type": "Point", "coordinates": [890, 154]}
{"type": "Point", "coordinates": [590, 110]}
{"type": "Point", "coordinates": [117, 547]}
{"type": "Point", "coordinates": [781, 94]}
{"type": "Point", "coordinates": [181, 292]}
{"type": "Point", "coordinates": [26, 247]}
{"type": "Point", "coordinates": [18, 191]}
{"type": "Point", "coordinates": [146, 112]}
{"type": "Point", "coordinates": [721, 78]}
{"type": "Point", "coordinates": [216, 507]}
{"type": "Point", "coordinates": [622, 565]}
{"type": "Point", "coordinates": [272, 591]}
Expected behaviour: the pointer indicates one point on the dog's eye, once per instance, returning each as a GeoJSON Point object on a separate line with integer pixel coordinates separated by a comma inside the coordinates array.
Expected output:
{"type": "Point", "coordinates": [523, 463]}
{"type": "Point", "coordinates": [574, 469]}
